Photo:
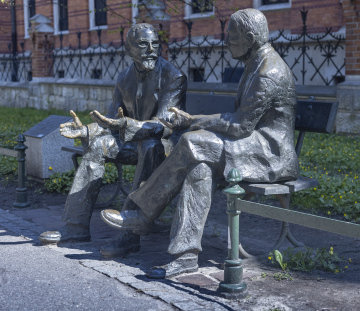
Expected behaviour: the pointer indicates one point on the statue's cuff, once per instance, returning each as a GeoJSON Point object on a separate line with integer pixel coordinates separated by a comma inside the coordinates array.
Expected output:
{"type": "Point", "coordinates": [85, 132]}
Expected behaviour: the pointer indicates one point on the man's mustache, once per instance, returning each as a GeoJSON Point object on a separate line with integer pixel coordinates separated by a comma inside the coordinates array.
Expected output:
{"type": "Point", "coordinates": [152, 55]}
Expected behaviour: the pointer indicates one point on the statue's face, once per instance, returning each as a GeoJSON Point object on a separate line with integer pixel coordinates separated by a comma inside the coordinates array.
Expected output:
{"type": "Point", "coordinates": [237, 40]}
{"type": "Point", "coordinates": [145, 49]}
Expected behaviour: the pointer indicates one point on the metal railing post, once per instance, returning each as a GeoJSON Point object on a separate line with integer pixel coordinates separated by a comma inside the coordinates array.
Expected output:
{"type": "Point", "coordinates": [21, 191]}
{"type": "Point", "coordinates": [233, 287]}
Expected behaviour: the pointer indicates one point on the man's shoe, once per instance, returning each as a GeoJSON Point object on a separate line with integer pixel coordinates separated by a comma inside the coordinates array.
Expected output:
{"type": "Point", "coordinates": [127, 220]}
{"type": "Point", "coordinates": [69, 233]}
{"type": "Point", "coordinates": [183, 264]}
{"type": "Point", "coordinates": [121, 245]}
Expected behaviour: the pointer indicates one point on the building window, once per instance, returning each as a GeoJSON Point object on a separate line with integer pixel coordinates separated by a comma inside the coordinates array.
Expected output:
{"type": "Point", "coordinates": [197, 75]}
{"type": "Point", "coordinates": [202, 6]}
{"type": "Point", "coordinates": [98, 14]}
{"type": "Point", "coordinates": [63, 15]}
{"type": "Point", "coordinates": [266, 2]}
{"type": "Point", "coordinates": [61, 19]}
{"type": "Point", "coordinates": [266, 5]}
{"type": "Point", "coordinates": [29, 12]}
{"type": "Point", "coordinates": [199, 9]}
{"type": "Point", "coordinates": [96, 74]}
{"type": "Point", "coordinates": [31, 7]}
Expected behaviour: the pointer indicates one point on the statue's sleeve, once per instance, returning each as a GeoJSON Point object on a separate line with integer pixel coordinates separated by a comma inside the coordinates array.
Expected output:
{"type": "Point", "coordinates": [243, 121]}
{"type": "Point", "coordinates": [173, 95]}
{"type": "Point", "coordinates": [94, 129]}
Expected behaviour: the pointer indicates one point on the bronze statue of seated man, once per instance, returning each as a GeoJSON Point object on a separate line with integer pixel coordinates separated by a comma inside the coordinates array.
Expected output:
{"type": "Point", "coordinates": [257, 139]}
{"type": "Point", "coordinates": [143, 93]}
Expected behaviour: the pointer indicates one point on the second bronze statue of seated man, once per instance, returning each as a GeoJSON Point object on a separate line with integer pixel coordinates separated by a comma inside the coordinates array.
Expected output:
{"type": "Point", "coordinates": [257, 139]}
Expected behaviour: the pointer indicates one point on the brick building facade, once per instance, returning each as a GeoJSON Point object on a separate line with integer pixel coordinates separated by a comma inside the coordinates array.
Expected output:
{"type": "Point", "coordinates": [80, 17]}
{"type": "Point", "coordinates": [93, 57]}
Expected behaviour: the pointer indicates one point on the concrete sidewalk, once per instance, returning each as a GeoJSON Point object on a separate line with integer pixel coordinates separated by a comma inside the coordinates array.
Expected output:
{"type": "Point", "coordinates": [198, 291]}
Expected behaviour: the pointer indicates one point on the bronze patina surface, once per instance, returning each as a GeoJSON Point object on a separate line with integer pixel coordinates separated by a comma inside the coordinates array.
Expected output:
{"type": "Point", "coordinates": [144, 92]}
{"type": "Point", "coordinates": [257, 139]}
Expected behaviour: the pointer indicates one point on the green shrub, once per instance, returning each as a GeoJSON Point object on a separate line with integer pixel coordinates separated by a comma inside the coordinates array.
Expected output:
{"type": "Point", "coordinates": [61, 182]}
{"type": "Point", "coordinates": [8, 165]}
{"type": "Point", "coordinates": [309, 260]}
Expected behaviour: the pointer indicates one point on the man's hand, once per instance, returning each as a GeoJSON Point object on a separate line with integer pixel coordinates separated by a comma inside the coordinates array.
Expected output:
{"type": "Point", "coordinates": [181, 121]}
{"type": "Point", "coordinates": [73, 129]}
{"type": "Point", "coordinates": [112, 124]}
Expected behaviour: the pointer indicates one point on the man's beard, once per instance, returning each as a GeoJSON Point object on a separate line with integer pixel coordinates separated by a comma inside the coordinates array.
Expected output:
{"type": "Point", "coordinates": [148, 63]}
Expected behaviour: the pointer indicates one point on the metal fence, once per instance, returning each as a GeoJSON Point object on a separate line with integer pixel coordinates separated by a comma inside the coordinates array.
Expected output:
{"type": "Point", "coordinates": [15, 67]}
{"type": "Point", "coordinates": [317, 59]}
{"type": "Point", "coordinates": [100, 61]}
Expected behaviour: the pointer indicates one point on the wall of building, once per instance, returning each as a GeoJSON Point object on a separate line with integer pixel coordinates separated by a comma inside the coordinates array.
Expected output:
{"type": "Point", "coordinates": [322, 15]}
{"type": "Point", "coordinates": [5, 27]}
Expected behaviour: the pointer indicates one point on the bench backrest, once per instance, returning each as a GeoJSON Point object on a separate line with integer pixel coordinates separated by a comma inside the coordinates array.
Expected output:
{"type": "Point", "coordinates": [316, 116]}
{"type": "Point", "coordinates": [311, 115]}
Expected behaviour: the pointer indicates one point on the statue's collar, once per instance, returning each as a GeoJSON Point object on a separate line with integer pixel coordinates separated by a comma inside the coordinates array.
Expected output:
{"type": "Point", "coordinates": [259, 54]}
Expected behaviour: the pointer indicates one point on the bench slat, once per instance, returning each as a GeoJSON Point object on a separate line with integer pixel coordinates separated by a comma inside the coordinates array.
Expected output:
{"type": "Point", "coordinates": [78, 150]}
{"type": "Point", "coordinates": [298, 218]}
{"type": "Point", "coordinates": [301, 183]}
{"type": "Point", "coordinates": [265, 189]}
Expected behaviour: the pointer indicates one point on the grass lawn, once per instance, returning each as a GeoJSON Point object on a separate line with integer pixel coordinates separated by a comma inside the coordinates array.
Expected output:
{"type": "Point", "coordinates": [333, 160]}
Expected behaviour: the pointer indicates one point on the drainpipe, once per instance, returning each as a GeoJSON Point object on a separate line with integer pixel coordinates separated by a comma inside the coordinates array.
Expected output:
{"type": "Point", "coordinates": [14, 42]}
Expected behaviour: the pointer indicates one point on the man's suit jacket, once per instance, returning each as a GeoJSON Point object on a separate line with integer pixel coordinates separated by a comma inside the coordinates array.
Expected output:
{"type": "Point", "coordinates": [259, 137]}
{"type": "Point", "coordinates": [145, 97]}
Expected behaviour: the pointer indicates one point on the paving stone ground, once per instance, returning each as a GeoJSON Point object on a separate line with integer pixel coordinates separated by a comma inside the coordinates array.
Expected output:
{"type": "Point", "coordinates": [199, 291]}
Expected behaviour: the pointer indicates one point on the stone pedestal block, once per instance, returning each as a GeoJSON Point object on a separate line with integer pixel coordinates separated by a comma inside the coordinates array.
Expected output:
{"type": "Point", "coordinates": [44, 148]}
{"type": "Point", "coordinates": [348, 116]}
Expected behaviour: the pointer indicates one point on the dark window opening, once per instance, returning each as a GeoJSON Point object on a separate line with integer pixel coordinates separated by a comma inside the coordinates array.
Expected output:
{"type": "Point", "coordinates": [96, 74]}
{"type": "Point", "coordinates": [29, 77]}
{"type": "Point", "coordinates": [339, 79]}
{"type": "Point", "coordinates": [32, 12]}
{"type": "Point", "coordinates": [202, 6]}
{"type": "Point", "coordinates": [197, 75]}
{"type": "Point", "coordinates": [61, 74]}
{"type": "Point", "coordinates": [265, 2]}
{"type": "Point", "coordinates": [100, 13]}
{"type": "Point", "coordinates": [63, 15]}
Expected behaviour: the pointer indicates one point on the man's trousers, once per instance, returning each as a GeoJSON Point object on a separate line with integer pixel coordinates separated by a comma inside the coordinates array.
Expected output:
{"type": "Point", "coordinates": [190, 170]}
{"type": "Point", "coordinates": [84, 191]}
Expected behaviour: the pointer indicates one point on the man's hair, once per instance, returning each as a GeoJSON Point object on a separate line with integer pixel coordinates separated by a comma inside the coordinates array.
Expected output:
{"type": "Point", "coordinates": [132, 32]}
{"type": "Point", "coordinates": [252, 20]}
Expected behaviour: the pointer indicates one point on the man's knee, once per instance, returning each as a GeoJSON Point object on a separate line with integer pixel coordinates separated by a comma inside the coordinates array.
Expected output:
{"type": "Point", "coordinates": [200, 172]}
{"type": "Point", "coordinates": [202, 146]}
{"type": "Point", "coordinates": [102, 147]}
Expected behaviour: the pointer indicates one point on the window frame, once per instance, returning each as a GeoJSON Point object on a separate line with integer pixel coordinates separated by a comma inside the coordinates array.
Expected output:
{"type": "Point", "coordinates": [257, 4]}
{"type": "Point", "coordinates": [27, 18]}
{"type": "Point", "coordinates": [190, 15]}
{"type": "Point", "coordinates": [92, 25]}
{"type": "Point", "coordinates": [56, 12]}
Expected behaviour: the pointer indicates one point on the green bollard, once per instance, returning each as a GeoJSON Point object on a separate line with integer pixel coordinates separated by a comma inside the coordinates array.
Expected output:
{"type": "Point", "coordinates": [233, 287]}
{"type": "Point", "coordinates": [21, 191]}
